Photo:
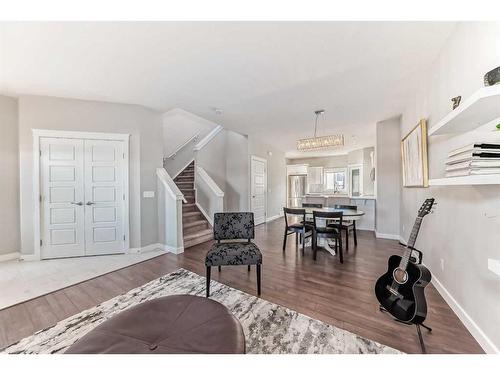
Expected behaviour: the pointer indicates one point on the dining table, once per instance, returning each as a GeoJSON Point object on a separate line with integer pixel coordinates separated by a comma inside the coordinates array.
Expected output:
{"type": "Point", "coordinates": [347, 214]}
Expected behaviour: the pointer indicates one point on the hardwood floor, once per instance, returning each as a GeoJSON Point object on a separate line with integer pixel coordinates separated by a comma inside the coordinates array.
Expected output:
{"type": "Point", "coordinates": [339, 294]}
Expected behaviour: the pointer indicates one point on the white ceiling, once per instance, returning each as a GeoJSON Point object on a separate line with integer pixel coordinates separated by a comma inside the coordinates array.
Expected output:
{"type": "Point", "coordinates": [268, 78]}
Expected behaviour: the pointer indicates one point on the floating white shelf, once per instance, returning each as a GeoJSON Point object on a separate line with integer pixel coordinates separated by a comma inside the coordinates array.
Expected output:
{"type": "Point", "coordinates": [485, 179]}
{"type": "Point", "coordinates": [479, 109]}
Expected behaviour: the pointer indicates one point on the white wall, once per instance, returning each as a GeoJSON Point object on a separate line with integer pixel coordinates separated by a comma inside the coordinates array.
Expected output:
{"type": "Point", "coordinates": [9, 174]}
{"type": "Point", "coordinates": [464, 230]}
{"type": "Point", "coordinates": [143, 124]}
{"type": "Point", "coordinates": [388, 178]}
{"type": "Point", "coordinates": [276, 175]}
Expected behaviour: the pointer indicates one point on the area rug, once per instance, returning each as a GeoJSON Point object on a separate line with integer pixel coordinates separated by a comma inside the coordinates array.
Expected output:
{"type": "Point", "coordinates": [268, 328]}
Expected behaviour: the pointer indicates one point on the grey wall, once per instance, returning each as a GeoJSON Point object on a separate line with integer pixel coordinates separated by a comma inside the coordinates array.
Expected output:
{"type": "Point", "coordinates": [9, 174]}
{"type": "Point", "coordinates": [143, 124]}
{"type": "Point", "coordinates": [212, 158]}
{"type": "Point", "coordinates": [178, 127]}
{"type": "Point", "coordinates": [464, 229]}
{"type": "Point", "coordinates": [388, 177]}
{"type": "Point", "coordinates": [276, 175]}
{"type": "Point", "coordinates": [237, 172]}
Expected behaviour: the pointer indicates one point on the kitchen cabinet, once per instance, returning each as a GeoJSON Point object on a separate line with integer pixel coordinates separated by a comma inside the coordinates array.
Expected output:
{"type": "Point", "coordinates": [315, 179]}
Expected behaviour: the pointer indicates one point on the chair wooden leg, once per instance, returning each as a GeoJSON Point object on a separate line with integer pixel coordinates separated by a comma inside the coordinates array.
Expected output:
{"type": "Point", "coordinates": [354, 232]}
{"type": "Point", "coordinates": [220, 268]}
{"type": "Point", "coordinates": [303, 236]}
{"type": "Point", "coordinates": [296, 238]}
{"type": "Point", "coordinates": [208, 281]}
{"type": "Point", "coordinates": [346, 239]}
{"type": "Point", "coordinates": [315, 246]}
{"type": "Point", "coordinates": [341, 256]}
{"type": "Point", "coordinates": [258, 279]}
{"type": "Point", "coordinates": [249, 268]}
{"type": "Point", "coordinates": [284, 239]}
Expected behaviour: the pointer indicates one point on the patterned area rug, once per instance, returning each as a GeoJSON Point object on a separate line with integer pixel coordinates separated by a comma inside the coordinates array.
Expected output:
{"type": "Point", "coordinates": [269, 328]}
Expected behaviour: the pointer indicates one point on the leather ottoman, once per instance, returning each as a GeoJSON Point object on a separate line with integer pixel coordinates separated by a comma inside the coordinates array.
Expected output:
{"type": "Point", "coordinates": [174, 324]}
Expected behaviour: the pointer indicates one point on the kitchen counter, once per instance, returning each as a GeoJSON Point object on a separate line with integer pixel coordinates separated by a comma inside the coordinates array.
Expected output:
{"type": "Point", "coordinates": [365, 203]}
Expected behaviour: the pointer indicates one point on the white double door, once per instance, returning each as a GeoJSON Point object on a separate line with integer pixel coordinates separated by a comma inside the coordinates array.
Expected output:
{"type": "Point", "coordinates": [82, 197]}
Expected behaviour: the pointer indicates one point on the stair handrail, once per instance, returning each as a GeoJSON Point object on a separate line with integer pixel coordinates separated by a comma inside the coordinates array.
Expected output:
{"type": "Point", "coordinates": [170, 185]}
{"type": "Point", "coordinates": [206, 139]}
{"type": "Point", "coordinates": [210, 182]}
{"type": "Point", "coordinates": [209, 197]}
{"type": "Point", "coordinates": [193, 138]}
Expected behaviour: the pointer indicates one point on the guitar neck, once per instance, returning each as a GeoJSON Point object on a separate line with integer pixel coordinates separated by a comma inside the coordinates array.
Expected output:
{"type": "Point", "coordinates": [411, 242]}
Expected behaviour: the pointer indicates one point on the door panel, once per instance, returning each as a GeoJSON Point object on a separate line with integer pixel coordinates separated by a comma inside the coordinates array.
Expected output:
{"type": "Point", "coordinates": [61, 179]}
{"type": "Point", "coordinates": [104, 197]}
{"type": "Point", "coordinates": [258, 190]}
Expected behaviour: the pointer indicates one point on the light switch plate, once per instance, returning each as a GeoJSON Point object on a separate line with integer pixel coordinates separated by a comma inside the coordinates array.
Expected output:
{"type": "Point", "coordinates": [148, 194]}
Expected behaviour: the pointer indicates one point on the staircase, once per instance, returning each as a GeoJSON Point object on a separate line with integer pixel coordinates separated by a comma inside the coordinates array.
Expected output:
{"type": "Point", "coordinates": [196, 229]}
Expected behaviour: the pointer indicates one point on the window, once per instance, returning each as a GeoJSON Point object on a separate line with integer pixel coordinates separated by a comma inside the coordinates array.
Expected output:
{"type": "Point", "coordinates": [336, 180]}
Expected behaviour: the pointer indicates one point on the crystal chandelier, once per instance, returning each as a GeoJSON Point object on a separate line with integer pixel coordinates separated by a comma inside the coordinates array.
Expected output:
{"type": "Point", "coordinates": [317, 143]}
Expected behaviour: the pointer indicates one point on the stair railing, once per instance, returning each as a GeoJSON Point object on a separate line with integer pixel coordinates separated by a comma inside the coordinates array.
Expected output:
{"type": "Point", "coordinates": [209, 197]}
{"type": "Point", "coordinates": [170, 200]}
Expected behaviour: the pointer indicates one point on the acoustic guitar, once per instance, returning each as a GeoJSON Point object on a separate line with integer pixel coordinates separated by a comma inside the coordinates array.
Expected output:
{"type": "Point", "coordinates": [400, 290]}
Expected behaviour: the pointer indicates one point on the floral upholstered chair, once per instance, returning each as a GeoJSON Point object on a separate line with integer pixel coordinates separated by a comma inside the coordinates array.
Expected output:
{"type": "Point", "coordinates": [233, 226]}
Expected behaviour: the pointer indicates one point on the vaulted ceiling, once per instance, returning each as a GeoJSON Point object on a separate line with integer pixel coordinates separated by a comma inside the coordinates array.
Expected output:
{"type": "Point", "coordinates": [267, 77]}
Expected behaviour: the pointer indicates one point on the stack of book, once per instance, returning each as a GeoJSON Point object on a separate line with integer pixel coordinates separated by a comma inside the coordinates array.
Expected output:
{"type": "Point", "coordinates": [476, 158]}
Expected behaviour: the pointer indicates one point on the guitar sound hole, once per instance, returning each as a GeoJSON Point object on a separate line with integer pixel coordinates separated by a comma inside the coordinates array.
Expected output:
{"type": "Point", "coordinates": [400, 276]}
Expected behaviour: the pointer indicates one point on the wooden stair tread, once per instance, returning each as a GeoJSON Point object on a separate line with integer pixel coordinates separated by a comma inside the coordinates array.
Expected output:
{"type": "Point", "coordinates": [194, 223]}
{"type": "Point", "coordinates": [201, 233]}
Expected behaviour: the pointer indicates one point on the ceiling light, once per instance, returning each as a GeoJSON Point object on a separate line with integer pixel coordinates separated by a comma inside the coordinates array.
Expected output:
{"type": "Point", "coordinates": [317, 143]}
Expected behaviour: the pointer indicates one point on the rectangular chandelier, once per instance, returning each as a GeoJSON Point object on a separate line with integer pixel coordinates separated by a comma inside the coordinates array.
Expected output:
{"type": "Point", "coordinates": [317, 143]}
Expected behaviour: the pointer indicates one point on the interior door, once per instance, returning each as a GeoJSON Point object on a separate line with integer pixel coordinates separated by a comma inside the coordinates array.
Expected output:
{"type": "Point", "coordinates": [104, 197]}
{"type": "Point", "coordinates": [258, 189]}
{"type": "Point", "coordinates": [62, 196]}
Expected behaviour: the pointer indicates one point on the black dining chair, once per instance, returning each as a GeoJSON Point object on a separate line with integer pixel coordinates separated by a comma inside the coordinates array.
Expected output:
{"type": "Point", "coordinates": [348, 225]}
{"type": "Point", "coordinates": [331, 230]}
{"type": "Point", "coordinates": [299, 226]}
{"type": "Point", "coordinates": [311, 205]}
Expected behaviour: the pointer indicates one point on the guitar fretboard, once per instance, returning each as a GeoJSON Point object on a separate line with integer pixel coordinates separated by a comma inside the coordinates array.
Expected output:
{"type": "Point", "coordinates": [411, 243]}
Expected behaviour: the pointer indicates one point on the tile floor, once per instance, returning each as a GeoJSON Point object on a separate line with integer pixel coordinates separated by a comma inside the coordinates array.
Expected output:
{"type": "Point", "coordinates": [24, 280]}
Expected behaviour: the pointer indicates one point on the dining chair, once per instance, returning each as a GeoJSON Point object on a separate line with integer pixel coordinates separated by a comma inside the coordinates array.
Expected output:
{"type": "Point", "coordinates": [332, 230]}
{"type": "Point", "coordinates": [299, 226]}
{"type": "Point", "coordinates": [348, 224]}
{"type": "Point", "coordinates": [311, 205]}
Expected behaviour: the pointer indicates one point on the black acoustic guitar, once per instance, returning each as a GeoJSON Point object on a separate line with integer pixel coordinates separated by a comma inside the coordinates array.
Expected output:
{"type": "Point", "coordinates": [401, 289]}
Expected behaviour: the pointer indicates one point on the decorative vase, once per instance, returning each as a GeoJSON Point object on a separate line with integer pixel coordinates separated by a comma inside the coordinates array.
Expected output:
{"type": "Point", "coordinates": [492, 77]}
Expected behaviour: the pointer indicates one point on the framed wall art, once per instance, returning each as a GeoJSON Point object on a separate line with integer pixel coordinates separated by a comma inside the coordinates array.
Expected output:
{"type": "Point", "coordinates": [414, 157]}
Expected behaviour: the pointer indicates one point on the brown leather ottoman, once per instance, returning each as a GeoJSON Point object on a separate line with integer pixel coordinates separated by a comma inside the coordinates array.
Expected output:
{"type": "Point", "coordinates": [173, 324]}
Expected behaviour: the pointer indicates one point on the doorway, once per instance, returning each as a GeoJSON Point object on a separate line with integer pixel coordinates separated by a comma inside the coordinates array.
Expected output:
{"type": "Point", "coordinates": [258, 189]}
{"type": "Point", "coordinates": [83, 190]}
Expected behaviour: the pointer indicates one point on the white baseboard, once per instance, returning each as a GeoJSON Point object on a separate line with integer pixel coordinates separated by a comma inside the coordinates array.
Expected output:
{"type": "Point", "coordinates": [483, 340]}
{"type": "Point", "coordinates": [10, 256]}
{"type": "Point", "coordinates": [209, 219]}
{"type": "Point", "coordinates": [173, 250]}
{"type": "Point", "coordinates": [271, 218]}
{"type": "Point", "coordinates": [387, 236]}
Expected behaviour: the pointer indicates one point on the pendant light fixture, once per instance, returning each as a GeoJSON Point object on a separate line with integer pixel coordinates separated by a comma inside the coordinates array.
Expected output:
{"type": "Point", "coordinates": [319, 143]}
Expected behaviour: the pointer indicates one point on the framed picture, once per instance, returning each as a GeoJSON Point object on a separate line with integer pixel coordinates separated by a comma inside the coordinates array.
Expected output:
{"type": "Point", "coordinates": [414, 157]}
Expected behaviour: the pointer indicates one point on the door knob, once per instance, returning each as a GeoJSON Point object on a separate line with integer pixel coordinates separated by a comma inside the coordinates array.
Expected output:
{"type": "Point", "coordinates": [89, 203]}
{"type": "Point", "coordinates": [77, 203]}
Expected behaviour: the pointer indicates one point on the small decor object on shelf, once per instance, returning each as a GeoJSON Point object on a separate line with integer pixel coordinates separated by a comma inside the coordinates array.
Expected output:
{"type": "Point", "coordinates": [492, 77]}
{"type": "Point", "coordinates": [414, 157]}
{"type": "Point", "coordinates": [456, 101]}
{"type": "Point", "coordinates": [498, 127]}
